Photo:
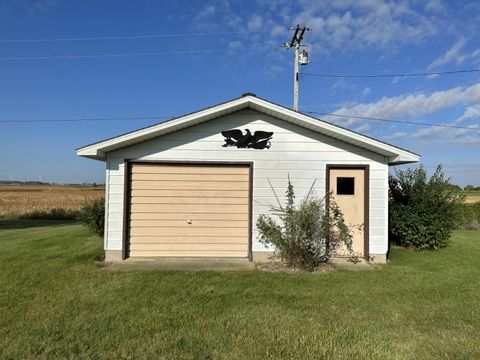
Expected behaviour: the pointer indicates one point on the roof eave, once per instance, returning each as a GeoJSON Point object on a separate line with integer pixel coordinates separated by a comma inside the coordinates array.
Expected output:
{"type": "Point", "coordinates": [395, 155]}
{"type": "Point", "coordinates": [92, 154]}
{"type": "Point", "coordinates": [407, 158]}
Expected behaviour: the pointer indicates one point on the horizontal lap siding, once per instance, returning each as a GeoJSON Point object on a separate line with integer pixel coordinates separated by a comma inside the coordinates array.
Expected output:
{"type": "Point", "coordinates": [170, 214]}
{"type": "Point", "coordinates": [295, 152]}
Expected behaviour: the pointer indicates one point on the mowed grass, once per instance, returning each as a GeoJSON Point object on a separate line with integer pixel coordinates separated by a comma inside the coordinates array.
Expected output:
{"type": "Point", "coordinates": [56, 303]}
{"type": "Point", "coordinates": [20, 200]}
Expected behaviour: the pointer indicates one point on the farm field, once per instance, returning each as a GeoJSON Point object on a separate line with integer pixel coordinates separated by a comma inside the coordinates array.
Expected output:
{"type": "Point", "coordinates": [56, 303]}
{"type": "Point", "coordinates": [21, 200]}
{"type": "Point", "coordinates": [472, 196]}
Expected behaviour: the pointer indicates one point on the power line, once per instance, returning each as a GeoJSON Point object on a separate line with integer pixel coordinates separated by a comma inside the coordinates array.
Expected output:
{"type": "Point", "coordinates": [111, 55]}
{"type": "Point", "coordinates": [434, 73]}
{"type": "Point", "coordinates": [393, 121]}
{"type": "Point", "coordinates": [72, 120]}
{"type": "Point", "coordinates": [29, 121]}
{"type": "Point", "coordinates": [128, 37]}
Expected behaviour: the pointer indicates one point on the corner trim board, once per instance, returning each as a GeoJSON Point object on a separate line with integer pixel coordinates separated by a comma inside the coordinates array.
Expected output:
{"type": "Point", "coordinates": [126, 208]}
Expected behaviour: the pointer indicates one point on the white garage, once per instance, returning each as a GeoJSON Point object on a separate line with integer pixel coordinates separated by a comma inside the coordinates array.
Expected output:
{"type": "Point", "coordinates": [195, 185]}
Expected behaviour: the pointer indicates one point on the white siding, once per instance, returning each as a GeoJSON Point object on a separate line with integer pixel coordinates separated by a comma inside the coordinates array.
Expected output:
{"type": "Point", "coordinates": [295, 151]}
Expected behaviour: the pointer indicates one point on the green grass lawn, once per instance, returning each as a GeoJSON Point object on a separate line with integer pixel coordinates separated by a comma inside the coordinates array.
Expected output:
{"type": "Point", "coordinates": [56, 303]}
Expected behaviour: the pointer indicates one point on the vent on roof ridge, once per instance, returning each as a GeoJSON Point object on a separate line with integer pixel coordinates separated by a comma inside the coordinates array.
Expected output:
{"type": "Point", "coordinates": [249, 94]}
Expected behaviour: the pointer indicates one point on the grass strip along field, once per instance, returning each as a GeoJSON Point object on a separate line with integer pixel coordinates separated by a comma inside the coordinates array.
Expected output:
{"type": "Point", "coordinates": [56, 303]}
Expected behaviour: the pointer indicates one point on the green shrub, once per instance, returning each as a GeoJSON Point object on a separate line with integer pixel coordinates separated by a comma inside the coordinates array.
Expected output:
{"type": "Point", "coordinates": [92, 215]}
{"type": "Point", "coordinates": [307, 235]}
{"type": "Point", "coordinates": [51, 214]}
{"type": "Point", "coordinates": [423, 212]}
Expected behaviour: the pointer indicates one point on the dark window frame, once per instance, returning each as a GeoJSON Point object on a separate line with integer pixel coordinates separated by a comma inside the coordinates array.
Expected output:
{"type": "Point", "coordinates": [345, 185]}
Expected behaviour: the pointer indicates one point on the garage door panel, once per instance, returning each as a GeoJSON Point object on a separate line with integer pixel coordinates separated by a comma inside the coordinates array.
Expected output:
{"type": "Point", "coordinates": [189, 185]}
{"type": "Point", "coordinates": [188, 240]}
{"type": "Point", "coordinates": [189, 210]}
{"type": "Point", "coordinates": [191, 177]}
{"type": "Point", "coordinates": [179, 169]}
{"type": "Point", "coordinates": [188, 247]}
{"type": "Point", "coordinates": [189, 253]}
{"type": "Point", "coordinates": [189, 200]}
{"type": "Point", "coordinates": [189, 216]}
{"type": "Point", "coordinates": [185, 223]}
{"type": "Point", "coordinates": [175, 231]}
{"type": "Point", "coordinates": [228, 193]}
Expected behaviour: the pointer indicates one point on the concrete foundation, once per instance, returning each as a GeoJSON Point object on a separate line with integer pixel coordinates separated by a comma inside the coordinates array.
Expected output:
{"type": "Point", "coordinates": [113, 255]}
{"type": "Point", "coordinates": [378, 258]}
{"type": "Point", "coordinates": [261, 256]}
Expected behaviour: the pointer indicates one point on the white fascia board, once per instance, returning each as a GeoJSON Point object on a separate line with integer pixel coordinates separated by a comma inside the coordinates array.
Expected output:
{"type": "Point", "coordinates": [99, 150]}
{"type": "Point", "coordinates": [396, 155]}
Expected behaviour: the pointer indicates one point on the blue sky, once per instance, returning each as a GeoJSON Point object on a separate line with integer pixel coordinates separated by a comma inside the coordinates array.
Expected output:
{"type": "Point", "coordinates": [347, 37]}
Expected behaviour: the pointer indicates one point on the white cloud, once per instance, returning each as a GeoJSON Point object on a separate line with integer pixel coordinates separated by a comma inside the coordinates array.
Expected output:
{"type": "Point", "coordinates": [236, 44]}
{"type": "Point", "coordinates": [397, 135]}
{"type": "Point", "coordinates": [436, 6]}
{"type": "Point", "coordinates": [255, 23]}
{"type": "Point", "coordinates": [278, 30]}
{"type": "Point", "coordinates": [464, 136]}
{"type": "Point", "coordinates": [452, 55]}
{"type": "Point", "coordinates": [362, 128]}
{"type": "Point", "coordinates": [412, 105]}
{"type": "Point", "coordinates": [340, 26]}
{"type": "Point", "coordinates": [367, 91]}
{"type": "Point", "coordinates": [358, 24]}
{"type": "Point", "coordinates": [208, 11]}
{"type": "Point", "coordinates": [456, 55]}
{"type": "Point", "coordinates": [415, 106]}
{"type": "Point", "coordinates": [470, 113]}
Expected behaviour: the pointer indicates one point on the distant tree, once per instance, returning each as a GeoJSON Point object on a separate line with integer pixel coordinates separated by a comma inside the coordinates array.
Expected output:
{"type": "Point", "coordinates": [453, 187]}
{"type": "Point", "coordinates": [94, 184]}
{"type": "Point", "coordinates": [470, 188]}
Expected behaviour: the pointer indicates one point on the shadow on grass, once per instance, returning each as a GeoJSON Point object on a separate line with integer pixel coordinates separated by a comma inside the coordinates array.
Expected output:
{"type": "Point", "coordinates": [9, 224]}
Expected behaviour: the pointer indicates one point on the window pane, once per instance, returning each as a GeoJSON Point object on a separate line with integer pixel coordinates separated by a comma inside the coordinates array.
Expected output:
{"type": "Point", "coordinates": [345, 186]}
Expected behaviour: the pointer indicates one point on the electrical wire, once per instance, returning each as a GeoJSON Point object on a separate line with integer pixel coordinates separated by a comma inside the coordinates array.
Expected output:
{"type": "Point", "coordinates": [86, 119]}
{"type": "Point", "coordinates": [393, 121]}
{"type": "Point", "coordinates": [112, 55]}
{"type": "Point", "coordinates": [172, 116]}
{"type": "Point", "coordinates": [131, 37]}
{"type": "Point", "coordinates": [434, 73]}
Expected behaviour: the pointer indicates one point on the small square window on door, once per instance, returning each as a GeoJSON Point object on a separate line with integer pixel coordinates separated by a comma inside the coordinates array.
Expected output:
{"type": "Point", "coordinates": [345, 186]}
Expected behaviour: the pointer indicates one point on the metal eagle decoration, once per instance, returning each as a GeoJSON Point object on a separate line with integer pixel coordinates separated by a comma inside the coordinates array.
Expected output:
{"type": "Point", "coordinates": [258, 140]}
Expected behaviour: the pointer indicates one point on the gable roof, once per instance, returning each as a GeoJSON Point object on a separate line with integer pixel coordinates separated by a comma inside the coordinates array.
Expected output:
{"type": "Point", "coordinates": [395, 154]}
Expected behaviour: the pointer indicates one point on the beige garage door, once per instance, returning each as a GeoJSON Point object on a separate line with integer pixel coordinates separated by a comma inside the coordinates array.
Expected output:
{"type": "Point", "coordinates": [179, 210]}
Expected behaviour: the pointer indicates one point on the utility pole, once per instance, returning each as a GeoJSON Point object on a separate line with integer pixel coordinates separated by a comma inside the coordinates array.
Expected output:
{"type": "Point", "coordinates": [296, 43]}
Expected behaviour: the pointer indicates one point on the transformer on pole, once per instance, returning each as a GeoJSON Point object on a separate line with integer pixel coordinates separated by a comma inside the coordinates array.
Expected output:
{"type": "Point", "coordinates": [299, 58]}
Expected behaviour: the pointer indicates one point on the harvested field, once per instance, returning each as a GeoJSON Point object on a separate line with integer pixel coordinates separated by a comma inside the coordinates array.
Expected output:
{"type": "Point", "coordinates": [472, 198]}
{"type": "Point", "coordinates": [19, 200]}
